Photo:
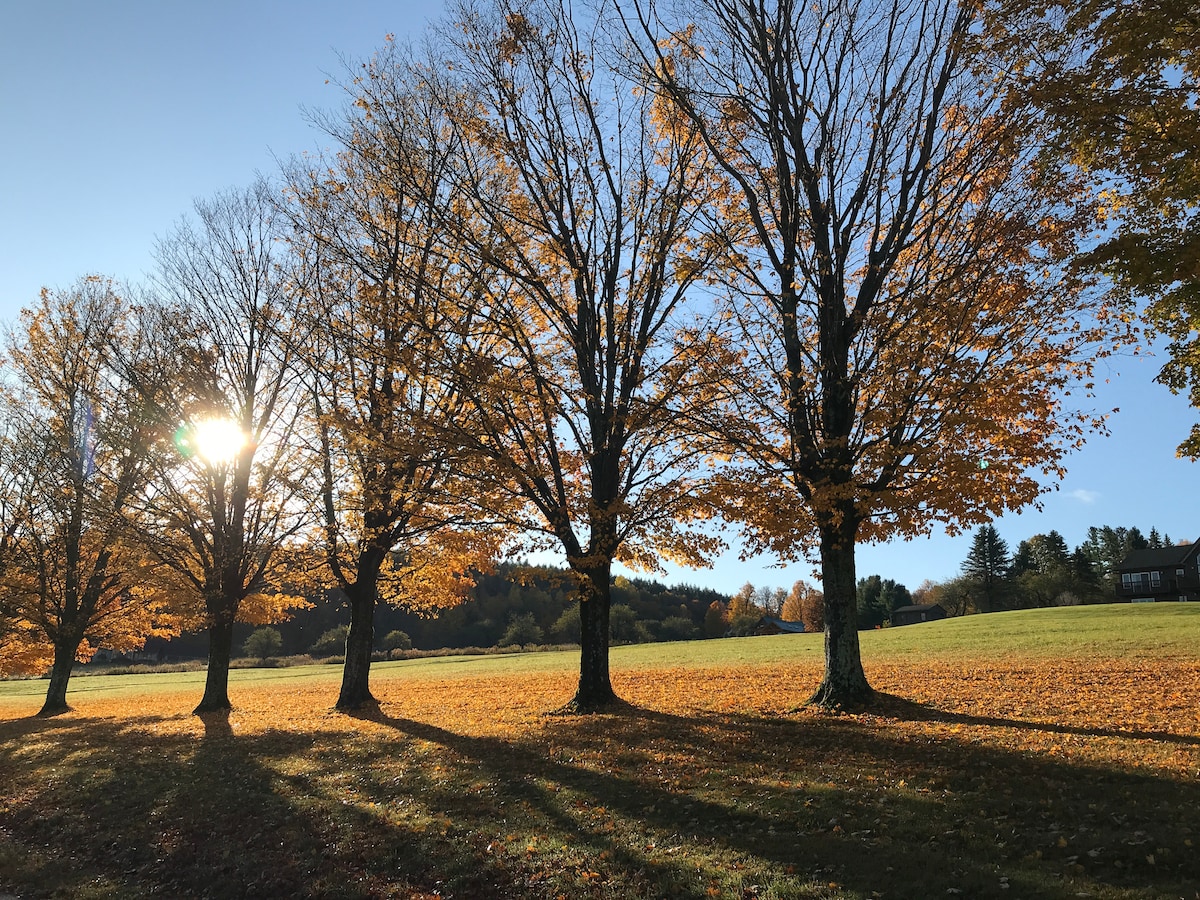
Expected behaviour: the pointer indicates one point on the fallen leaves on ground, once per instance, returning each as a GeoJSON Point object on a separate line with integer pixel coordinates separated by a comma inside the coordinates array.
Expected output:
{"type": "Point", "coordinates": [1017, 778]}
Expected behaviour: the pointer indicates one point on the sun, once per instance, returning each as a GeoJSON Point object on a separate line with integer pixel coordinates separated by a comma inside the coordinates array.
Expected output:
{"type": "Point", "coordinates": [216, 440]}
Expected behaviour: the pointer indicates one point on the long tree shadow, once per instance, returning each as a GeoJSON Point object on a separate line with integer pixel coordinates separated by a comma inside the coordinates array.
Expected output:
{"type": "Point", "coordinates": [132, 813]}
{"type": "Point", "coordinates": [897, 707]}
{"type": "Point", "coordinates": [636, 803]}
{"type": "Point", "coordinates": [805, 825]}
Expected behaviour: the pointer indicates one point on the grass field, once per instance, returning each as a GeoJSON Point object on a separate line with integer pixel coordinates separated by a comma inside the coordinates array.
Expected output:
{"type": "Point", "coordinates": [1051, 753]}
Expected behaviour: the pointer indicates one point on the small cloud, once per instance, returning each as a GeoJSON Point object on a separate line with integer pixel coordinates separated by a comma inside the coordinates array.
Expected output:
{"type": "Point", "coordinates": [1084, 496]}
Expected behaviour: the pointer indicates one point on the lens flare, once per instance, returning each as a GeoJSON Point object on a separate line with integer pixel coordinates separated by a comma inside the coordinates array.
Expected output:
{"type": "Point", "coordinates": [215, 441]}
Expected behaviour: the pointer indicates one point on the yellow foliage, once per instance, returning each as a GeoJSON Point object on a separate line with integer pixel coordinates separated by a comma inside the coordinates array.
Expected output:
{"type": "Point", "coordinates": [267, 608]}
{"type": "Point", "coordinates": [438, 571]}
{"type": "Point", "coordinates": [24, 650]}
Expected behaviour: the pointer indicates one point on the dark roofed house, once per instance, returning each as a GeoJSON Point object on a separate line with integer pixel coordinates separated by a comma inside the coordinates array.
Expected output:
{"type": "Point", "coordinates": [911, 615]}
{"type": "Point", "coordinates": [1160, 573]}
{"type": "Point", "coordinates": [772, 625]}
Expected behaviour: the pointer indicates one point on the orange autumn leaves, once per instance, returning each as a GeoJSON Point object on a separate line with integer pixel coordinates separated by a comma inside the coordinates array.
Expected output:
{"type": "Point", "coordinates": [1130, 713]}
{"type": "Point", "coordinates": [1034, 771]}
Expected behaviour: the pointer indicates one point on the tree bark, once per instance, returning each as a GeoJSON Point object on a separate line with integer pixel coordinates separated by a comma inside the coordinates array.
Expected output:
{"type": "Point", "coordinates": [595, 688]}
{"type": "Point", "coordinates": [60, 673]}
{"type": "Point", "coordinates": [356, 671]}
{"type": "Point", "coordinates": [845, 684]}
{"type": "Point", "coordinates": [220, 651]}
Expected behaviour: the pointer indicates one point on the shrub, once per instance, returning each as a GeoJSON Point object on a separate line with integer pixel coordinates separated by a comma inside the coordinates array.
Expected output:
{"type": "Point", "coordinates": [677, 628]}
{"type": "Point", "coordinates": [522, 629]}
{"type": "Point", "coordinates": [566, 627]}
{"type": "Point", "coordinates": [263, 643]}
{"type": "Point", "coordinates": [743, 625]}
{"type": "Point", "coordinates": [395, 640]}
{"type": "Point", "coordinates": [332, 641]}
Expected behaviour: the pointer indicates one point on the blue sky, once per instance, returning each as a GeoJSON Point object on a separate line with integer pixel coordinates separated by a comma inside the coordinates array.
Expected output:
{"type": "Point", "coordinates": [115, 116]}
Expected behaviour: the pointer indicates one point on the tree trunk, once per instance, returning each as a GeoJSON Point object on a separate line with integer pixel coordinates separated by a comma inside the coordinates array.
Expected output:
{"type": "Point", "coordinates": [60, 673]}
{"type": "Point", "coordinates": [356, 671]}
{"type": "Point", "coordinates": [220, 650]}
{"type": "Point", "coordinates": [845, 684]}
{"type": "Point", "coordinates": [595, 689]}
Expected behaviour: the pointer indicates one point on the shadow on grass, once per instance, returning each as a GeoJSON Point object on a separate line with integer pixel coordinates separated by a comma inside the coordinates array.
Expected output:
{"type": "Point", "coordinates": [631, 804]}
{"type": "Point", "coordinates": [768, 803]}
{"type": "Point", "coordinates": [907, 710]}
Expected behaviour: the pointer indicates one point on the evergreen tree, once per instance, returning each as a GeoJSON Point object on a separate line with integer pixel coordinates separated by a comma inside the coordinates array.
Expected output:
{"type": "Point", "coordinates": [1049, 553]}
{"type": "Point", "coordinates": [988, 566]}
{"type": "Point", "coordinates": [1088, 579]}
{"type": "Point", "coordinates": [893, 595]}
{"type": "Point", "coordinates": [1022, 561]}
{"type": "Point", "coordinates": [1107, 546]}
{"type": "Point", "coordinates": [870, 610]}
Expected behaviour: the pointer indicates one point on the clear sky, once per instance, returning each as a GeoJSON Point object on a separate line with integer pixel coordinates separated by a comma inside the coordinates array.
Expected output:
{"type": "Point", "coordinates": [115, 116]}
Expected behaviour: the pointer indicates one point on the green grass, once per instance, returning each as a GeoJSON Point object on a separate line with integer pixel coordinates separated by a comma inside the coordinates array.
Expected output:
{"type": "Point", "coordinates": [1155, 629]}
{"type": "Point", "coordinates": [1151, 629]}
{"type": "Point", "coordinates": [1051, 754]}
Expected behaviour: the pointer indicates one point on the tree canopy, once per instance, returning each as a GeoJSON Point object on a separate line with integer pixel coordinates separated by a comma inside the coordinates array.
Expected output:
{"type": "Point", "coordinates": [77, 443]}
{"type": "Point", "coordinates": [579, 216]}
{"type": "Point", "coordinates": [1117, 81]}
{"type": "Point", "coordinates": [589, 279]}
{"type": "Point", "coordinates": [905, 335]}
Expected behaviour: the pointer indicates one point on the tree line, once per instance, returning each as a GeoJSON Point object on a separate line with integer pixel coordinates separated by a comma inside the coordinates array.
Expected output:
{"type": "Point", "coordinates": [513, 605]}
{"type": "Point", "coordinates": [603, 279]}
{"type": "Point", "coordinates": [1042, 570]}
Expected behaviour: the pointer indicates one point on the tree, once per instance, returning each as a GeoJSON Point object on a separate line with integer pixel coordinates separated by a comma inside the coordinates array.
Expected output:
{"type": "Point", "coordinates": [1107, 546]}
{"type": "Point", "coordinates": [81, 438]}
{"type": "Point", "coordinates": [956, 596]}
{"type": "Point", "coordinates": [225, 513]}
{"type": "Point", "coordinates": [381, 308]}
{"type": "Point", "coordinates": [906, 335]}
{"type": "Point", "coordinates": [1045, 571]}
{"type": "Point", "coordinates": [332, 641]}
{"type": "Point", "coordinates": [1088, 584]}
{"type": "Point", "coordinates": [742, 602]}
{"type": "Point", "coordinates": [395, 640]}
{"type": "Point", "coordinates": [770, 600]}
{"type": "Point", "coordinates": [263, 643]}
{"type": "Point", "coordinates": [624, 627]}
{"type": "Point", "coordinates": [566, 626]}
{"type": "Point", "coordinates": [716, 619]}
{"type": "Point", "coordinates": [24, 649]}
{"type": "Point", "coordinates": [805, 604]}
{"type": "Point", "coordinates": [1117, 80]}
{"type": "Point", "coordinates": [987, 565]}
{"type": "Point", "coordinates": [677, 628]}
{"type": "Point", "coordinates": [877, 598]}
{"type": "Point", "coordinates": [793, 605]}
{"type": "Point", "coordinates": [580, 216]}
{"type": "Point", "coordinates": [522, 629]}
{"type": "Point", "coordinates": [1049, 552]}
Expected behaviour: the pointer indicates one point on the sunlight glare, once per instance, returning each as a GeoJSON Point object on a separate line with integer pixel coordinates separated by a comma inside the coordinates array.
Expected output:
{"type": "Point", "coordinates": [218, 441]}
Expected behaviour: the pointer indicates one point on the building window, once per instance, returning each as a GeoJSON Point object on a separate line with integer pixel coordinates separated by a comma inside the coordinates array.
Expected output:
{"type": "Point", "coordinates": [1179, 572]}
{"type": "Point", "coordinates": [1141, 581]}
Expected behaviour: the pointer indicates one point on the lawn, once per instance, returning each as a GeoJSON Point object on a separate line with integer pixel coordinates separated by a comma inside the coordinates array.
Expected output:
{"type": "Point", "coordinates": [1047, 754]}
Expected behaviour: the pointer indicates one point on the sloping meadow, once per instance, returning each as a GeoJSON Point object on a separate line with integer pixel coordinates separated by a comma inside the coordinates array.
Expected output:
{"type": "Point", "coordinates": [1047, 768]}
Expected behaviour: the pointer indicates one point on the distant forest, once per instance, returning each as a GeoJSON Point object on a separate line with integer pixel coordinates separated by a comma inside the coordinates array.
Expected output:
{"type": "Point", "coordinates": [516, 604]}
